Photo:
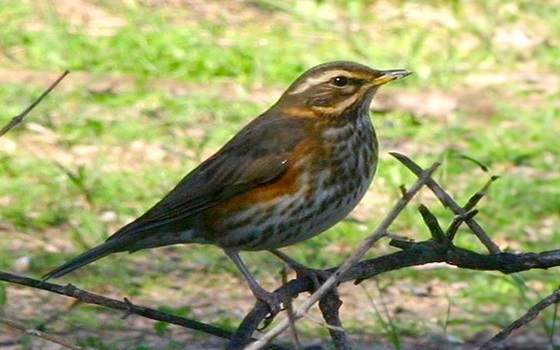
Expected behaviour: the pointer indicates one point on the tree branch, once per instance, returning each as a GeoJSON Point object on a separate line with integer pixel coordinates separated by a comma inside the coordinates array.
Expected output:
{"type": "Point", "coordinates": [39, 334]}
{"type": "Point", "coordinates": [129, 308]}
{"type": "Point", "coordinates": [448, 202]}
{"type": "Point", "coordinates": [412, 254]}
{"type": "Point", "coordinates": [19, 118]}
{"type": "Point", "coordinates": [523, 320]}
{"type": "Point", "coordinates": [330, 306]}
{"type": "Point", "coordinates": [438, 249]}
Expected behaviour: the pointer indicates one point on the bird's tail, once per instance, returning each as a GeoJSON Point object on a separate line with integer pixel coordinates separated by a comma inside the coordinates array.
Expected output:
{"type": "Point", "coordinates": [96, 253]}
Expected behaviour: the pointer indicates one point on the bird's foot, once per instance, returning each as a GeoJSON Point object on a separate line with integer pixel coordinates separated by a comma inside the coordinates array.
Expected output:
{"type": "Point", "coordinates": [271, 300]}
{"type": "Point", "coordinates": [316, 275]}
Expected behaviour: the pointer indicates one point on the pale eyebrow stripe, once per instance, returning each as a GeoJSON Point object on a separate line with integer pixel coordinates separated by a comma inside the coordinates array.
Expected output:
{"type": "Point", "coordinates": [312, 81]}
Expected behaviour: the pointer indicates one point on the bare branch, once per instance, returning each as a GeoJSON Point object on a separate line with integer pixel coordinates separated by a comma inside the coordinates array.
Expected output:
{"type": "Point", "coordinates": [39, 334]}
{"type": "Point", "coordinates": [523, 320]}
{"type": "Point", "coordinates": [413, 254]}
{"type": "Point", "coordinates": [330, 305]}
{"type": "Point", "coordinates": [433, 224]}
{"type": "Point", "coordinates": [19, 118]}
{"type": "Point", "coordinates": [126, 306]}
{"type": "Point", "coordinates": [447, 201]}
{"type": "Point", "coordinates": [473, 201]}
{"type": "Point", "coordinates": [290, 312]}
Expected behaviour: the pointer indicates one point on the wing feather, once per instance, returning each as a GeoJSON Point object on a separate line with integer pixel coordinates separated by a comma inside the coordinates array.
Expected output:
{"type": "Point", "coordinates": [257, 155]}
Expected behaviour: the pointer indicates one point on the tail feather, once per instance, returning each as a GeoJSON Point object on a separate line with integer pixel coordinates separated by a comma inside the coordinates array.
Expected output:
{"type": "Point", "coordinates": [129, 242]}
{"type": "Point", "coordinates": [96, 253]}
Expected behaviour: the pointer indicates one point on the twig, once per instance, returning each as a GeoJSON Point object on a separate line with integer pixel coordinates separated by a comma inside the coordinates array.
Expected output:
{"type": "Point", "coordinates": [433, 225]}
{"type": "Point", "coordinates": [19, 118]}
{"type": "Point", "coordinates": [330, 305]}
{"type": "Point", "coordinates": [457, 222]}
{"type": "Point", "coordinates": [126, 306]}
{"type": "Point", "coordinates": [39, 334]}
{"type": "Point", "coordinates": [523, 320]}
{"type": "Point", "coordinates": [413, 254]}
{"type": "Point", "coordinates": [475, 198]}
{"type": "Point", "coordinates": [353, 259]}
{"type": "Point", "coordinates": [446, 200]}
{"type": "Point", "coordinates": [290, 312]}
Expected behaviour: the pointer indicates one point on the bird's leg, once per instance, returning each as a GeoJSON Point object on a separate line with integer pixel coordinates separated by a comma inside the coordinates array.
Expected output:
{"type": "Point", "coordinates": [302, 270]}
{"type": "Point", "coordinates": [271, 299]}
{"type": "Point", "coordinates": [298, 267]}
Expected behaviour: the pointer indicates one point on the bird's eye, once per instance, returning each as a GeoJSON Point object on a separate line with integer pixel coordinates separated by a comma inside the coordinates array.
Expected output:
{"type": "Point", "coordinates": [339, 81]}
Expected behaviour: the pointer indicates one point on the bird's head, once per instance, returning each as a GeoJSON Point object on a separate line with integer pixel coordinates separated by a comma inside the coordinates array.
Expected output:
{"type": "Point", "coordinates": [334, 88]}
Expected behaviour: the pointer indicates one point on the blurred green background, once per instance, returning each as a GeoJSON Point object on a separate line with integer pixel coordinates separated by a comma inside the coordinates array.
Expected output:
{"type": "Point", "coordinates": [158, 86]}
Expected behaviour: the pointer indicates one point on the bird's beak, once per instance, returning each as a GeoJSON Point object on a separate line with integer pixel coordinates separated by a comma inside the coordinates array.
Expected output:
{"type": "Point", "coordinates": [390, 75]}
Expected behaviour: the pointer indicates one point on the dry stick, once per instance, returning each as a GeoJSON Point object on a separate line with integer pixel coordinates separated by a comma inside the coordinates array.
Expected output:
{"type": "Point", "coordinates": [446, 200]}
{"type": "Point", "coordinates": [353, 259]}
{"type": "Point", "coordinates": [456, 224]}
{"type": "Point", "coordinates": [412, 254]}
{"type": "Point", "coordinates": [523, 320]}
{"type": "Point", "coordinates": [127, 306]}
{"type": "Point", "coordinates": [330, 305]}
{"type": "Point", "coordinates": [19, 118]}
{"type": "Point", "coordinates": [435, 229]}
{"type": "Point", "coordinates": [37, 333]}
{"type": "Point", "coordinates": [475, 198]}
{"type": "Point", "coordinates": [290, 312]}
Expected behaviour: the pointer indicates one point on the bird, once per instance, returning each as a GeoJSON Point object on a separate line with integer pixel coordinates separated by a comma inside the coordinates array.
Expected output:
{"type": "Point", "coordinates": [288, 175]}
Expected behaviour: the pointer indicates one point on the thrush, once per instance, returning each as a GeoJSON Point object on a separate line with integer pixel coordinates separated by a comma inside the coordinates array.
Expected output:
{"type": "Point", "coordinates": [288, 175]}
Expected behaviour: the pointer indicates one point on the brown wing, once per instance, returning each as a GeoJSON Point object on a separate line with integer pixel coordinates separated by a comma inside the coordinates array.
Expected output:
{"type": "Point", "coordinates": [257, 155]}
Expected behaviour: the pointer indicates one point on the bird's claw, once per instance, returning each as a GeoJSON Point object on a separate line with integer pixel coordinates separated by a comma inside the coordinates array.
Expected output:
{"type": "Point", "coordinates": [274, 305]}
{"type": "Point", "coordinates": [302, 271]}
{"type": "Point", "coordinates": [272, 301]}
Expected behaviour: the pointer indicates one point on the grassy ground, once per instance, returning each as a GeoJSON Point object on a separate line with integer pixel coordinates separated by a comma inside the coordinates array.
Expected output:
{"type": "Point", "coordinates": [157, 86]}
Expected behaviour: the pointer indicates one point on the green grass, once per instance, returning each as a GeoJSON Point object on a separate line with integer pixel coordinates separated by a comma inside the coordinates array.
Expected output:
{"type": "Point", "coordinates": [89, 159]}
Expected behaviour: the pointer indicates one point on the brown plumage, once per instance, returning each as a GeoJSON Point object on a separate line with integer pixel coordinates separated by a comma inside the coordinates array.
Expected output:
{"type": "Point", "coordinates": [287, 176]}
